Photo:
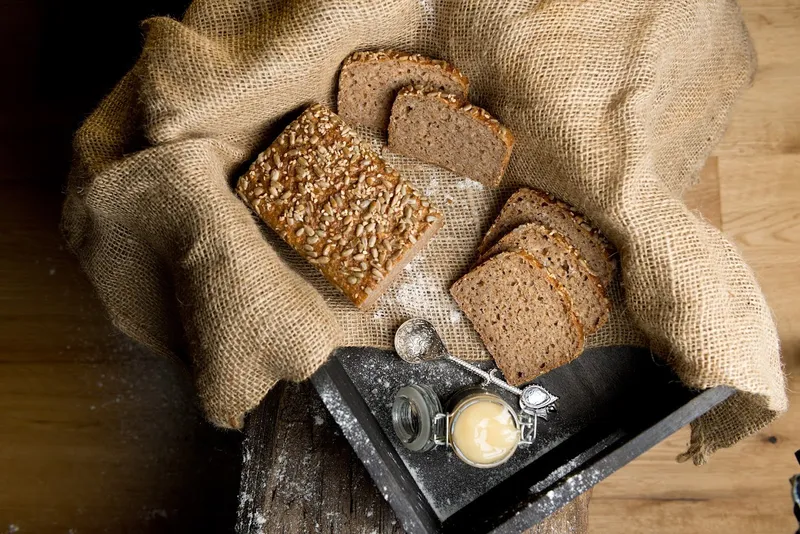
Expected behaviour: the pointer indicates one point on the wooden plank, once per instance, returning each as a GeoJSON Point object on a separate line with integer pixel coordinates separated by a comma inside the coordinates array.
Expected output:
{"type": "Point", "coordinates": [572, 519]}
{"type": "Point", "coordinates": [301, 474]}
{"type": "Point", "coordinates": [742, 489]}
{"type": "Point", "coordinates": [704, 196]}
{"type": "Point", "coordinates": [766, 120]}
{"type": "Point", "coordinates": [761, 213]}
{"type": "Point", "coordinates": [96, 433]}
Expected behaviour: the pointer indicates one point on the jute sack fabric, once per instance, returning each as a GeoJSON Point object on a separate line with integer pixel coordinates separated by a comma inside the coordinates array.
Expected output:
{"type": "Point", "coordinates": [615, 105]}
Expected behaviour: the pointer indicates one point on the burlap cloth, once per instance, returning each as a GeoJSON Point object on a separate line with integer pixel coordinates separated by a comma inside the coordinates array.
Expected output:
{"type": "Point", "coordinates": [615, 105]}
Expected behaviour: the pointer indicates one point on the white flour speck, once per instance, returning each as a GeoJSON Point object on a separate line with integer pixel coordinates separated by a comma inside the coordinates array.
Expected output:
{"type": "Point", "coordinates": [52, 271]}
{"type": "Point", "coordinates": [432, 188]}
{"type": "Point", "coordinates": [12, 528]}
{"type": "Point", "coordinates": [466, 183]}
{"type": "Point", "coordinates": [319, 421]}
{"type": "Point", "coordinates": [455, 316]}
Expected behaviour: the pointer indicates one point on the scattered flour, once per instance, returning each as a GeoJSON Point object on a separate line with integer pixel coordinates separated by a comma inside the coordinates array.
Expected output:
{"type": "Point", "coordinates": [455, 316]}
{"type": "Point", "coordinates": [318, 421]}
{"type": "Point", "coordinates": [467, 183]}
{"type": "Point", "coordinates": [432, 187]}
{"type": "Point", "coordinates": [12, 528]}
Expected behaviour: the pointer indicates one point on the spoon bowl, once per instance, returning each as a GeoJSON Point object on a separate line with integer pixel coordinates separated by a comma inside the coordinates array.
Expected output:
{"type": "Point", "coordinates": [417, 341]}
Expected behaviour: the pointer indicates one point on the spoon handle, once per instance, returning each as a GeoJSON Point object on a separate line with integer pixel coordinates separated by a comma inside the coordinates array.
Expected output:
{"type": "Point", "coordinates": [489, 377]}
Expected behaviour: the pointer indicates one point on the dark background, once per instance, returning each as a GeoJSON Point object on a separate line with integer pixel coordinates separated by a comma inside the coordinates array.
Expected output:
{"type": "Point", "coordinates": [58, 59]}
{"type": "Point", "coordinates": [97, 434]}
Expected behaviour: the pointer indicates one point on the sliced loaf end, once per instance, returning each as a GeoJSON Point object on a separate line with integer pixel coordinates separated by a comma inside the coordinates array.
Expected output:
{"type": "Point", "coordinates": [397, 267]}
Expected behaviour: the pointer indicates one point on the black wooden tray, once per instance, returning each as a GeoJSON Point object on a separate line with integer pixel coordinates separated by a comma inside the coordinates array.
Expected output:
{"type": "Point", "coordinates": [615, 403]}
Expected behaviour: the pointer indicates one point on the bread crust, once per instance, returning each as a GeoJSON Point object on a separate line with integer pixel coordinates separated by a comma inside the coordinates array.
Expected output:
{"type": "Point", "coordinates": [338, 204]}
{"type": "Point", "coordinates": [497, 229]}
{"type": "Point", "coordinates": [397, 55]}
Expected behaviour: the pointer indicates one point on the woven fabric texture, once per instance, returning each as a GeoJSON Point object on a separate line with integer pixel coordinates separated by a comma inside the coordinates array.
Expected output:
{"type": "Point", "coordinates": [615, 105]}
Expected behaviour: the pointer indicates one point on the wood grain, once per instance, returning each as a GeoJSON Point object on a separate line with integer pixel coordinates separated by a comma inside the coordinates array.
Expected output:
{"type": "Point", "coordinates": [761, 199]}
{"type": "Point", "coordinates": [571, 519]}
{"type": "Point", "coordinates": [766, 120]}
{"type": "Point", "coordinates": [97, 435]}
{"type": "Point", "coordinates": [743, 489]}
{"type": "Point", "coordinates": [300, 474]}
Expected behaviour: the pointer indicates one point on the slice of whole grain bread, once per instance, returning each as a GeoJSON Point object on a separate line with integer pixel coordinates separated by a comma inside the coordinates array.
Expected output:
{"type": "Point", "coordinates": [532, 206]}
{"type": "Point", "coordinates": [552, 250]}
{"type": "Point", "coordinates": [521, 313]}
{"type": "Point", "coordinates": [369, 81]}
{"type": "Point", "coordinates": [448, 131]}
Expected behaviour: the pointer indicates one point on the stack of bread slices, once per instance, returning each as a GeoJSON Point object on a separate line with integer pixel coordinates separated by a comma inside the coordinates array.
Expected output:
{"type": "Point", "coordinates": [539, 286]}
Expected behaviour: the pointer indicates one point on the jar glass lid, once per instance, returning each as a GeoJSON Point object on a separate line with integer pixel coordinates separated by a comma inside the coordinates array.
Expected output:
{"type": "Point", "coordinates": [416, 415]}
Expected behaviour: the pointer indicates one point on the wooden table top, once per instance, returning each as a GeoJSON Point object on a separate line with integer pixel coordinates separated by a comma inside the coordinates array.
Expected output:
{"type": "Point", "coordinates": [99, 435]}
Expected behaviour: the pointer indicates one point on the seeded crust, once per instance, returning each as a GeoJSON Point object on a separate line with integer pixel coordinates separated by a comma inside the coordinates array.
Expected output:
{"type": "Point", "coordinates": [522, 314]}
{"type": "Point", "coordinates": [369, 81]}
{"type": "Point", "coordinates": [552, 250]}
{"type": "Point", "coordinates": [338, 204]}
{"type": "Point", "coordinates": [446, 130]}
{"type": "Point", "coordinates": [532, 206]}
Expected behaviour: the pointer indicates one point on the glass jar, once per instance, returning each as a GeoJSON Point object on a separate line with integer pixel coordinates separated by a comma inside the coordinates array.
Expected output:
{"type": "Point", "coordinates": [481, 428]}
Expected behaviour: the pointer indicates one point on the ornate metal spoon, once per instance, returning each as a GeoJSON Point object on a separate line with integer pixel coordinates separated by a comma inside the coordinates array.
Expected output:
{"type": "Point", "coordinates": [417, 341]}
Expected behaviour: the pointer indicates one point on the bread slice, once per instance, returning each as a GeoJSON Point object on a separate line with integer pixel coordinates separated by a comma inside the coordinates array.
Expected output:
{"type": "Point", "coordinates": [532, 206]}
{"type": "Point", "coordinates": [339, 205]}
{"type": "Point", "coordinates": [521, 313]}
{"type": "Point", "coordinates": [369, 81]}
{"type": "Point", "coordinates": [549, 248]}
{"type": "Point", "coordinates": [448, 131]}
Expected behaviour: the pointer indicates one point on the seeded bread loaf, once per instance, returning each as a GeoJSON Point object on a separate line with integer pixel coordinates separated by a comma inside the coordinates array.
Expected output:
{"type": "Point", "coordinates": [448, 131]}
{"type": "Point", "coordinates": [532, 206]}
{"type": "Point", "coordinates": [521, 313]}
{"type": "Point", "coordinates": [369, 81]}
{"type": "Point", "coordinates": [549, 248]}
{"type": "Point", "coordinates": [339, 204]}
